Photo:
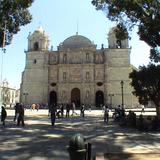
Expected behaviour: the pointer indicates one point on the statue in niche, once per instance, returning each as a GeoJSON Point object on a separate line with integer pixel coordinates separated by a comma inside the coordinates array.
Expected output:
{"type": "Point", "coordinates": [87, 94]}
{"type": "Point", "coordinates": [63, 94]}
{"type": "Point", "coordinates": [98, 74]}
{"type": "Point", "coordinates": [64, 58]}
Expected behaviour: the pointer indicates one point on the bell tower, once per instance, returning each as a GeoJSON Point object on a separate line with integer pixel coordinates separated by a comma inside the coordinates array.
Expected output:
{"type": "Point", "coordinates": [38, 41]}
{"type": "Point", "coordinates": [35, 75]}
{"type": "Point", "coordinates": [113, 42]}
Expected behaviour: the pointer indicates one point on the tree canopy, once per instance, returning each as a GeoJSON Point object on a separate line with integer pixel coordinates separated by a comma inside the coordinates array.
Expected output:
{"type": "Point", "coordinates": [146, 84]}
{"type": "Point", "coordinates": [143, 13]}
{"type": "Point", "coordinates": [13, 15]}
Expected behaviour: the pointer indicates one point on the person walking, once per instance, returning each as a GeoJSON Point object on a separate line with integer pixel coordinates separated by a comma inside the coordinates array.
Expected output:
{"type": "Point", "coordinates": [106, 114]}
{"type": "Point", "coordinates": [20, 115]}
{"type": "Point", "coordinates": [73, 109]}
{"type": "Point", "coordinates": [3, 115]}
{"type": "Point", "coordinates": [52, 111]}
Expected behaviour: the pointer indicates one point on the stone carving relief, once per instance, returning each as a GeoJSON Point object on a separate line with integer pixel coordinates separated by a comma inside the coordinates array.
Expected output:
{"type": "Point", "coordinates": [75, 74]}
{"type": "Point", "coordinates": [99, 74]}
{"type": "Point", "coordinates": [75, 58]}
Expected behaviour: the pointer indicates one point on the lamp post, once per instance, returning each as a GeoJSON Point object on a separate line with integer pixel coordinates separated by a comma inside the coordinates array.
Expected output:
{"type": "Point", "coordinates": [5, 93]}
{"type": "Point", "coordinates": [111, 95]}
{"type": "Point", "coordinates": [122, 83]}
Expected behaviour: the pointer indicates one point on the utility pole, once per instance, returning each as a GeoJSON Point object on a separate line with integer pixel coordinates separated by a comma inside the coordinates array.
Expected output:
{"type": "Point", "coordinates": [1, 71]}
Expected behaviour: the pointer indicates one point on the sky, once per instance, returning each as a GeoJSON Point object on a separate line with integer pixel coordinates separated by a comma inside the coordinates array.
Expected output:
{"type": "Point", "coordinates": [60, 19]}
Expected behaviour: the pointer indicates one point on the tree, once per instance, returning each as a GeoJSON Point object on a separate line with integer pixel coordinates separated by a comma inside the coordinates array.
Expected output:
{"type": "Point", "coordinates": [13, 15]}
{"type": "Point", "coordinates": [143, 13]}
{"type": "Point", "coordinates": [146, 84]}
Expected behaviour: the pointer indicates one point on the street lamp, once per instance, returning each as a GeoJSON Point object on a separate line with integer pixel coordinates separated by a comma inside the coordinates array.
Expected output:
{"type": "Point", "coordinates": [122, 83]}
{"type": "Point", "coordinates": [111, 95]}
{"type": "Point", "coordinates": [25, 97]}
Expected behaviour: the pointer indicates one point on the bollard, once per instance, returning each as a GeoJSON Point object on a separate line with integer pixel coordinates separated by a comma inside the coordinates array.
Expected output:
{"type": "Point", "coordinates": [89, 149]}
{"type": "Point", "coordinates": [76, 149]}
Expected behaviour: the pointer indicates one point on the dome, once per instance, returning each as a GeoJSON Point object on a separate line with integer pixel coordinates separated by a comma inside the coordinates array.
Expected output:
{"type": "Point", "coordinates": [76, 41]}
{"type": "Point", "coordinates": [40, 30]}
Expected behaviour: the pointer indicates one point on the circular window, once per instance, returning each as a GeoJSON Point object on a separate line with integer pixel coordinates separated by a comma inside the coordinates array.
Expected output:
{"type": "Point", "coordinates": [99, 83]}
{"type": "Point", "coordinates": [53, 84]}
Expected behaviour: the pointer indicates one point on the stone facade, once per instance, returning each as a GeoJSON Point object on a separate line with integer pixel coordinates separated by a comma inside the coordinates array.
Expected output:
{"type": "Point", "coordinates": [10, 95]}
{"type": "Point", "coordinates": [77, 71]}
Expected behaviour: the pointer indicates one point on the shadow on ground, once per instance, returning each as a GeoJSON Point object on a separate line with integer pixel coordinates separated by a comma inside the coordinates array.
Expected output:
{"type": "Point", "coordinates": [39, 140]}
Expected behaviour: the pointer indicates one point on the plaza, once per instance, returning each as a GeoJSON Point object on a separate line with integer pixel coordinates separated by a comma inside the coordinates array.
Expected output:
{"type": "Point", "coordinates": [38, 140]}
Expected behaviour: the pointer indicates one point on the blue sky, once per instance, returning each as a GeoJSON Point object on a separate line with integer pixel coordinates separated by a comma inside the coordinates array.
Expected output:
{"type": "Point", "coordinates": [59, 20]}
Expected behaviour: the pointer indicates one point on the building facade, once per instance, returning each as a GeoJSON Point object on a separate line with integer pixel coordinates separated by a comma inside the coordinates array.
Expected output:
{"type": "Point", "coordinates": [10, 95]}
{"type": "Point", "coordinates": [77, 71]}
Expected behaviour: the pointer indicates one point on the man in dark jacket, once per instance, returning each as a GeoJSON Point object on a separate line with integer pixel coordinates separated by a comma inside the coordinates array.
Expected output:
{"type": "Point", "coordinates": [3, 115]}
{"type": "Point", "coordinates": [21, 115]}
{"type": "Point", "coordinates": [16, 107]}
{"type": "Point", "coordinates": [52, 111]}
{"type": "Point", "coordinates": [67, 110]}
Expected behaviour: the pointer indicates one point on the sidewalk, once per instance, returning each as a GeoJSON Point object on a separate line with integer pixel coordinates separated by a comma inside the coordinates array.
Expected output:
{"type": "Point", "coordinates": [39, 141]}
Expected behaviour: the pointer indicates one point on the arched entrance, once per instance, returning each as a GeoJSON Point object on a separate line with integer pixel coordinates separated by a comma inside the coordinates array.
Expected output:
{"type": "Point", "coordinates": [53, 98]}
{"type": "Point", "coordinates": [99, 99]}
{"type": "Point", "coordinates": [75, 96]}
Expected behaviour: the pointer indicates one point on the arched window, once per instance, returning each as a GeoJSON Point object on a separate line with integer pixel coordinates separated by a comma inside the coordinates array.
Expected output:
{"type": "Point", "coordinates": [99, 98]}
{"type": "Point", "coordinates": [35, 61]}
{"type": "Point", "coordinates": [87, 57]}
{"type": "Point", "coordinates": [36, 46]}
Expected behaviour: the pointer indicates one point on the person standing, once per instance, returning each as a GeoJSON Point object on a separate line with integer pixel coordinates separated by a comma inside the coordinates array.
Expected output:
{"type": "Point", "coordinates": [103, 108]}
{"type": "Point", "coordinates": [16, 107]}
{"type": "Point", "coordinates": [67, 110]}
{"type": "Point", "coordinates": [142, 111]}
{"type": "Point", "coordinates": [90, 108]}
{"type": "Point", "coordinates": [82, 110]}
{"type": "Point", "coordinates": [3, 115]}
{"type": "Point", "coordinates": [62, 109]}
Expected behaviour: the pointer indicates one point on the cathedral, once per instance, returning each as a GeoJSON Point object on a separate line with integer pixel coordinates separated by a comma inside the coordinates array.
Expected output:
{"type": "Point", "coordinates": [77, 72]}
